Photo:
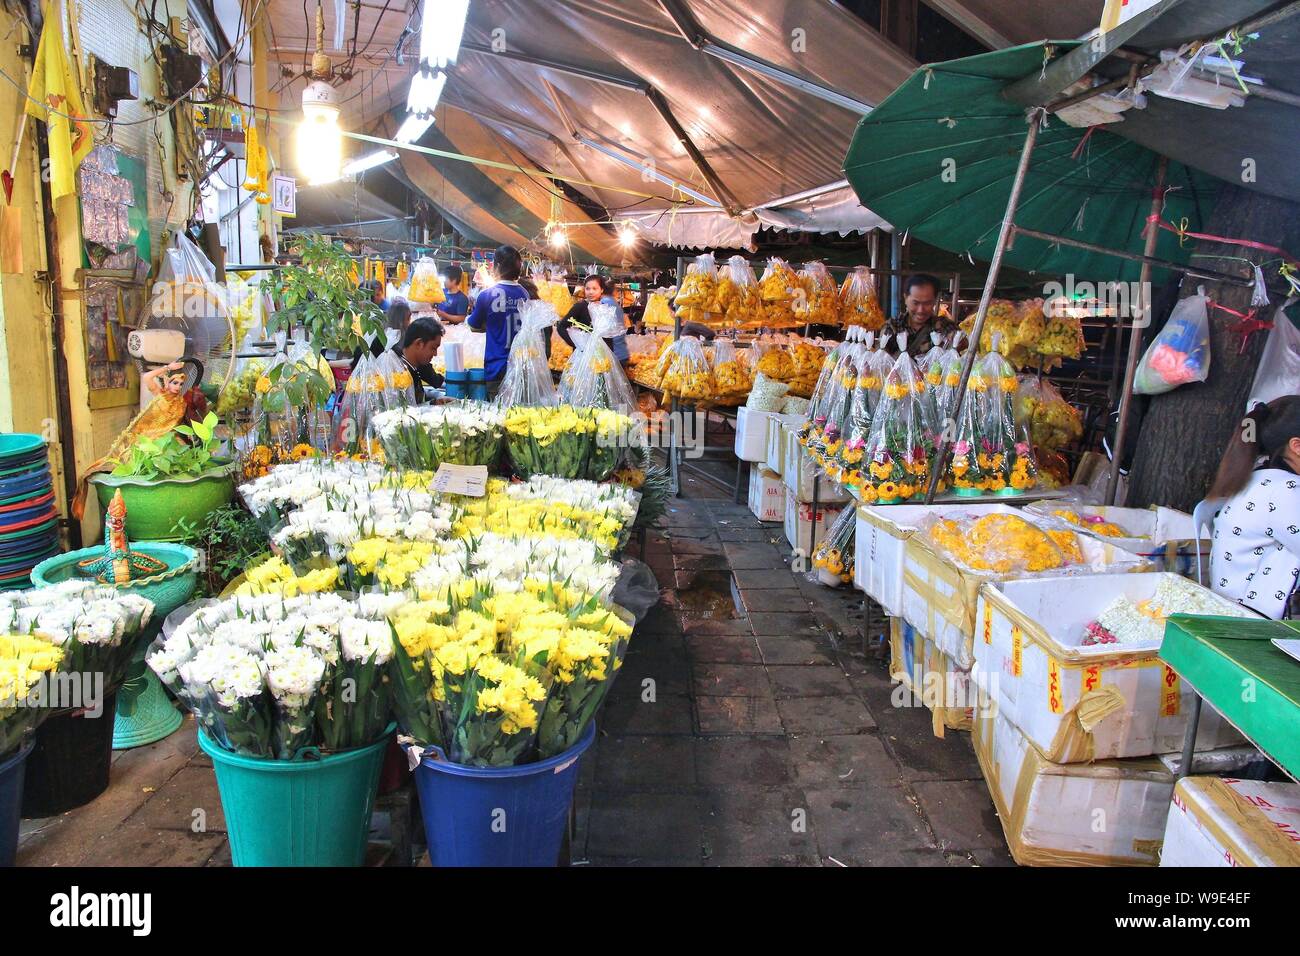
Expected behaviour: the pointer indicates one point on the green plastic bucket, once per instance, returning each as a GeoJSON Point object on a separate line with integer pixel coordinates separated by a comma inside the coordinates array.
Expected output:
{"type": "Point", "coordinates": [313, 810]}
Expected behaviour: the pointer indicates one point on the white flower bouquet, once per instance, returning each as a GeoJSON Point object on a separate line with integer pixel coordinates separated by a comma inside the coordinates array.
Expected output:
{"type": "Point", "coordinates": [268, 675]}
{"type": "Point", "coordinates": [96, 626]}
{"type": "Point", "coordinates": [426, 436]}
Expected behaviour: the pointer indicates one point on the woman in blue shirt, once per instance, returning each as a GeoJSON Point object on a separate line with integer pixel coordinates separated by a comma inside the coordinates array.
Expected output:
{"type": "Point", "coordinates": [496, 313]}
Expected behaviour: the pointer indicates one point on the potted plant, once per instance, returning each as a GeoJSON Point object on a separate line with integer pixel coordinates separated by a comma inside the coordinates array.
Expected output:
{"type": "Point", "coordinates": [164, 481]}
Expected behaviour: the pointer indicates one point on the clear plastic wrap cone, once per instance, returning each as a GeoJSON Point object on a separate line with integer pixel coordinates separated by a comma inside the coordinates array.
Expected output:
{"type": "Point", "coordinates": [896, 463]}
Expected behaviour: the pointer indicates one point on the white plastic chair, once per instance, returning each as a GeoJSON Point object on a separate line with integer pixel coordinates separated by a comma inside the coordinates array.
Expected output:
{"type": "Point", "coordinates": [1203, 516]}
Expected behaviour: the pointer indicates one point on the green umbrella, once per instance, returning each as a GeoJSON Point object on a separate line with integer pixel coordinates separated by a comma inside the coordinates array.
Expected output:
{"type": "Point", "coordinates": [937, 159]}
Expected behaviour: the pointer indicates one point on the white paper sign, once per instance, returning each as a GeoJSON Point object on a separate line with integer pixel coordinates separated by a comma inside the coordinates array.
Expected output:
{"type": "Point", "coordinates": [469, 480]}
{"type": "Point", "coordinates": [284, 195]}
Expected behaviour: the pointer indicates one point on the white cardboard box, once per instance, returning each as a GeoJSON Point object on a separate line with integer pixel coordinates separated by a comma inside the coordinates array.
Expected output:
{"type": "Point", "coordinates": [1080, 702]}
{"type": "Point", "coordinates": [931, 679]}
{"type": "Point", "coordinates": [800, 472]}
{"type": "Point", "coordinates": [800, 521]}
{"type": "Point", "coordinates": [776, 430]}
{"type": "Point", "coordinates": [940, 596]}
{"type": "Point", "coordinates": [766, 494]}
{"type": "Point", "coordinates": [751, 434]}
{"type": "Point", "coordinates": [1164, 536]}
{"type": "Point", "coordinates": [881, 533]}
{"type": "Point", "coordinates": [1109, 813]}
{"type": "Point", "coordinates": [1218, 821]}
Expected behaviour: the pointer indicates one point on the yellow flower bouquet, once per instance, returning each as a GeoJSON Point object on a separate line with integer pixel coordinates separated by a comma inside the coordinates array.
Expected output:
{"type": "Point", "coordinates": [565, 441]}
{"type": "Point", "coordinates": [25, 661]}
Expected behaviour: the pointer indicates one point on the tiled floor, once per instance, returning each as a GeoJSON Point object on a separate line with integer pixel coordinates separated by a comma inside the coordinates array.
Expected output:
{"type": "Point", "coordinates": [746, 728]}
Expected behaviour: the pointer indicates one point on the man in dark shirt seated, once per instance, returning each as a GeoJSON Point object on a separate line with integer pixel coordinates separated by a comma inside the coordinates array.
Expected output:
{"type": "Point", "coordinates": [420, 344]}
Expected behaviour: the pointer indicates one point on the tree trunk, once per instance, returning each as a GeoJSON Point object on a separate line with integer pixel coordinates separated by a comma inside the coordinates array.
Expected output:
{"type": "Point", "coordinates": [1184, 432]}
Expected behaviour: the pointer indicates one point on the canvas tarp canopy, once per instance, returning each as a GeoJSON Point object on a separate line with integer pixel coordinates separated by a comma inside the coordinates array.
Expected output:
{"type": "Point", "coordinates": [765, 139]}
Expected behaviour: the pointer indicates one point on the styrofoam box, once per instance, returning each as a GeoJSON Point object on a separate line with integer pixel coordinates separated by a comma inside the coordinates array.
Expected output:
{"type": "Point", "coordinates": [940, 595]}
{"type": "Point", "coordinates": [1110, 813]}
{"type": "Point", "coordinates": [800, 520]}
{"type": "Point", "coordinates": [766, 494]}
{"type": "Point", "coordinates": [1164, 536]}
{"type": "Point", "coordinates": [1028, 657]}
{"type": "Point", "coordinates": [933, 680]}
{"type": "Point", "coordinates": [1217, 821]}
{"type": "Point", "coordinates": [801, 470]}
{"type": "Point", "coordinates": [881, 532]}
{"type": "Point", "coordinates": [751, 434]}
{"type": "Point", "coordinates": [778, 424]}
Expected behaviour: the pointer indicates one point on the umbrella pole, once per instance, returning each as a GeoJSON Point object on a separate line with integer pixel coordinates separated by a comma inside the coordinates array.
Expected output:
{"type": "Point", "coordinates": [1140, 321]}
{"type": "Point", "coordinates": [995, 266]}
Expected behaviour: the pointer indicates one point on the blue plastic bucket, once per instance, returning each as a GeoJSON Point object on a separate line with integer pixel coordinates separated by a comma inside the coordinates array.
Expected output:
{"type": "Point", "coordinates": [456, 384]}
{"type": "Point", "coordinates": [313, 810]}
{"type": "Point", "coordinates": [478, 384]}
{"type": "Point", "coordinates": [11, 801]}
{"type": "Point", "coordinates": [499, 816]}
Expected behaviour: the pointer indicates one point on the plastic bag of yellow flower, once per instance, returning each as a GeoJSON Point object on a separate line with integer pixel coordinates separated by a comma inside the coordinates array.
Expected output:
{"type": "Point", "coordinates": [776, 363]}
{"type": "Point", "coordinates": [238, 393]}
{"type": "Point", "coordinates": [1005, 544]}
{"type": "Point", "coordinates": [738, 294]}
{"type": "Point", "coordinates": [1000, 320]}
{"type": "Point", "coordinates": [658, 314]}
{"type": "Point", "coordinates": [831, 416]}
{"type": "Point", "coordinates": [1005, 453]}
{"type": "Point", "coordinates": [1031, 323]}
{"type": "Point", "coordinates": [595, 379]}
{"type": "Point", "coordinates": [779, 289]}
{"type": "Point", "coordinates": [1062, 337]}
{"type": "Point", "coordinates": [859, 304]}
{"type": "Point", "coordinates": [426, 284]}
{"type": "Point", "coordinates": [820, 302]}
{"type": "Point", "coordinates": [812, 427]}
{"type": "Point", "coordinates": [732, 377]}
{"type": "Point", "coordinates": [560, 353]}
{"type": "Point", "coordinates": [873, 367]}
{"type": "Point", "coordinates": [897, 456]}
{"type": "Point", "coordinates": [1053, 422]}
{"type": "Point", "coordinates": [686, 373]}
{"type": "Point", "coordinates": [808, 362]}
{"type": "Point", "coordinates": [833, 559]}
{"type": "Point", "coordinates": [528, 378]}
{"type": "Point", "coordinates": [699, 287]}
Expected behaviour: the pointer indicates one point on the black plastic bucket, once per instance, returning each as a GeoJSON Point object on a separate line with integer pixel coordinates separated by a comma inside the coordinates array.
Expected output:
{"type": "Point", "coordinates": [69, 765]}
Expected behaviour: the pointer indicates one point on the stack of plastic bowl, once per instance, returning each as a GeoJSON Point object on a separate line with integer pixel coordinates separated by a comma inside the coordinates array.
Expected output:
{"type": "Point", "coordinates": [29, 520]}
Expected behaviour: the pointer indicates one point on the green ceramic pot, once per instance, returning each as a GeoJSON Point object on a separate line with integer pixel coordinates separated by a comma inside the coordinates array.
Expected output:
{"type": "Point", "coordinates": [155, 508]}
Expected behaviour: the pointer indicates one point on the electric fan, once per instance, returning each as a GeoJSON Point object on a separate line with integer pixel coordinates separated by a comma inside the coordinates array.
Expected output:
{"type": "Point", "coordinates": [185, 320]}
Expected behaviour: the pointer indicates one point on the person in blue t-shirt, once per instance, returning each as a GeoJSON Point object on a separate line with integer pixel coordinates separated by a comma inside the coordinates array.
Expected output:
{"type": "Point", "coordinates": [496, 313]}
{"type": "Point", "coordinates": [457, 305]}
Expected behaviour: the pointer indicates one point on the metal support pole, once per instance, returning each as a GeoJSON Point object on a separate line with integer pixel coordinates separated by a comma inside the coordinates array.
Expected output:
{"type": "Point", "coordinates": [956, 298]}
{"type": "Point", "coordinates": [895, 280]}
{"type": "Point", "coordinates": [674, 464]}
{"type": "Point", "coordinates": [812, 524]}
{"type": "Point", "coordinates": [1140, 321]}
{"type": "Point", "coordinates": [995, 266]}
{"type": "Point", "coordinates": [1189, 738]}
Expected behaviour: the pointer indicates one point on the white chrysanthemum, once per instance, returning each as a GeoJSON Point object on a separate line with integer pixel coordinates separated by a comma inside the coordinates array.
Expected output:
{"type": "Point", "coordinates": [361, 640]}
{"type": "Point", "coordinates": [293, 675]}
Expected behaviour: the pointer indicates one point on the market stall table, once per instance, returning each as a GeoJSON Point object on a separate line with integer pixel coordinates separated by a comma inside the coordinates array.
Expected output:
{"type": "Point", "coordinates": [1223, 659]}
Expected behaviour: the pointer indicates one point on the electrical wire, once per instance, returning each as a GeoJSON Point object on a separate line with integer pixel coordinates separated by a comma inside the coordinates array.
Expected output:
{"type": "Point", "coordinates": [151, 119]}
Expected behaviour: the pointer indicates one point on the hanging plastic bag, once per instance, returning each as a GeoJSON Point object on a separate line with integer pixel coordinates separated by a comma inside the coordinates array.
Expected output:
{"type": "Point", "coordinates": [657, 313]}
{"type": "Point", "coordinates": [1279, 365]}
{"type": "Point", "coordinates": [426, 284]}
{"type": "Point", "coordinates": [820, 302]}
{"type": "Point", "coordinates": [732, 377]}
{"type": "Point", "coordinates": [595, 379]}
{"type": "Point", "coordinates": [1181, 351]}
{"type": "Point", "coordinates": [738, 294]}
{"type": "Point", "coordinates": [528, 378]}
{"type": "Point", "coordinates": [685, 371]}
{"type": "Point", "coordinates": [899, 451]}
{"type": "Point", "coordinates": [859, 304]}
{"type": "Point", "coordinates": [699, 287]}
{"type": "Point", "coordinates": [186, 286]}
{"type": "Point", "coordinates": [1053, 422]}
{"type": "Point", "coordinates": [777, 363]}
{"type": "Point", "coordinates": [777, 289]}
